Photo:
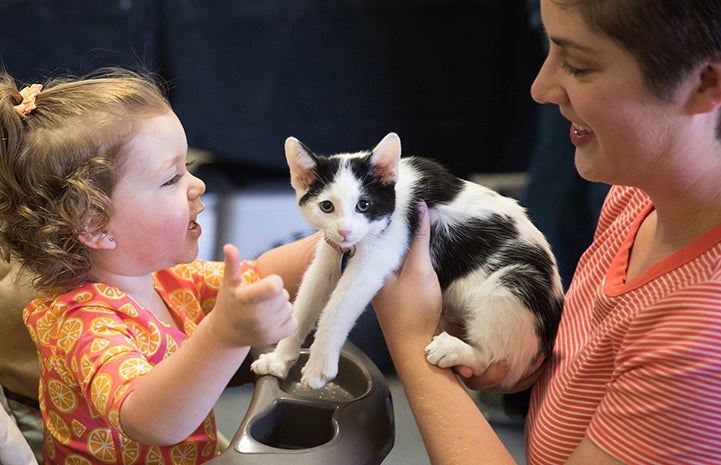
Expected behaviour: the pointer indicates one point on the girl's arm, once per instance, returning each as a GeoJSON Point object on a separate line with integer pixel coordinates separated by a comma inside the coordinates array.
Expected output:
{"type": "Point", "coordinates": [172, 400]}
{"type": "Point", "coordinates": [289, 261]}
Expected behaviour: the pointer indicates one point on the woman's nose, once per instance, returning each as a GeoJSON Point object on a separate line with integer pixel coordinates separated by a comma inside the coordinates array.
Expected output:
{"type": "Point", "coordinates": [546, 88]}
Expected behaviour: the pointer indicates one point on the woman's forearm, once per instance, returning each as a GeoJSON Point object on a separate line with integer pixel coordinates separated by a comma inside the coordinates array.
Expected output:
{"type": "Point", "coordinates": [453, 429]}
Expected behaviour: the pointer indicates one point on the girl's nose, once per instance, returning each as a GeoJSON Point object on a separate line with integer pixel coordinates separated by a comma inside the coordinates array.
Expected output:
{"type": "Point", "coordinates": [197, 187]}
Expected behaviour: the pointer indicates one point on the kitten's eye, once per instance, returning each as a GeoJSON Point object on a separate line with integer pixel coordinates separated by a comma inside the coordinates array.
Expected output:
{"type": "Point", "coordinates": [326, 206]}
{"type": "Point", "coordinates": [362, 206]}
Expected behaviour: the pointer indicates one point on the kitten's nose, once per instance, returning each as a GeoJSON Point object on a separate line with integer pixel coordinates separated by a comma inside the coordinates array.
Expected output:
{"type": "Point", "coordinates": [344, 233]}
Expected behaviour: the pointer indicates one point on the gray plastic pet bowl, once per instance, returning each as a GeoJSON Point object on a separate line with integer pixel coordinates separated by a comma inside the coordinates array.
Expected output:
{"type": "Point", "coordinates": [348, 422]}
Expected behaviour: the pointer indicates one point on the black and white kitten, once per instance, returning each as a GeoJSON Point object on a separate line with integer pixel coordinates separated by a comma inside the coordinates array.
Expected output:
{"type": "Point", "coordinates": [498, 276]}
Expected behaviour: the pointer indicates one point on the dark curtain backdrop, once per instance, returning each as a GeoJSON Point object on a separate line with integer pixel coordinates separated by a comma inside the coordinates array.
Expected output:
{"type": "Point", "coordinates": [451, 77]}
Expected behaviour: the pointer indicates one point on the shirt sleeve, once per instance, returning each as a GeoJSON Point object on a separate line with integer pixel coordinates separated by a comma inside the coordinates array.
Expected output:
{"type": "Point", "coordinates": [107, 357]}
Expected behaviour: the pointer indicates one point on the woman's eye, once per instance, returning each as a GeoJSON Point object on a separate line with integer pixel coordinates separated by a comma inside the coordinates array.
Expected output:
{"type": "Point", "coordinates": [326, 206]}
{"type": "Point", "coordinates": [362, 206]}
{"type": "Point", "coordinates": [573, 71]}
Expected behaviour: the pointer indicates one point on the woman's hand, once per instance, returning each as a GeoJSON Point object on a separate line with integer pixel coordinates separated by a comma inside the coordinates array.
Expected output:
{"type": "Point", "coordinates": [409, 304]}
{"type": "Point", "coordinates": [490, 379]}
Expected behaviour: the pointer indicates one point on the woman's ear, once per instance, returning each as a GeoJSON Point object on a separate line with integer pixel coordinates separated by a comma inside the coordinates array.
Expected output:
{"type": "Point", "coordinates": [707, 94]}
{"type": "Point", "coordinates": [98, 241]}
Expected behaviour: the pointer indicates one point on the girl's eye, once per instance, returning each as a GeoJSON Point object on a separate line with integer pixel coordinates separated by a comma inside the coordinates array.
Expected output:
{"type": "Point", "coordinates": [174, 180]}
{"type": "Point", "coordinates": [573, 71]}
{"type": "Point", "coordinates": [326, 206]}
{"type": "Point", "coordinates": [362, 206]}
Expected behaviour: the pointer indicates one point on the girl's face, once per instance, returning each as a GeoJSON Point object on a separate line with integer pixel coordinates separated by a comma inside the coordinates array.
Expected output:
{"type": "Point", "coordinates": [620, 130]}
{"type": "Point", "coordinates": [156, 200]}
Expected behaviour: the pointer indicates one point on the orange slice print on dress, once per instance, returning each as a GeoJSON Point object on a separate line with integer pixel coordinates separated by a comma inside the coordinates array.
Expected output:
{"type": "Point", "coordinates": [100, 391]}
{"type": "Point", "coordinates": [147, 339]}
{"type": "Point", "coordinates": [154, 457]}
{"type": "Point", "coordinates": [86, 367]}
{"type": "Point", "coordinates": [129, 309]}
{"type": "Point", "coordinates": [78, 428]}
{"type": "Point", "coordinates": [74, 459]}
{"type": "Point", "coordinates": [250, 275]}
{"type": "Point", "coordinates": [45, 329]}
{"type": "Point", "coordinates": [133, 368]}
{"type": "Point", "coordinates": [186, 302]}
{"type": "Point", "coordinates": [49, 445]}
{"type": "Point", "coordinates": [98, 345]}
{"type": "Point", "coordinates": [184, 454]}
{"type": "Point", "coordinates": [58, 428]}
{"type": "Point", "coordinates": [114, 351]}
{"type": "Point", "coordinates": [214, 275]}
{"type": "Point", "coordinates": [129, 449]}
{"type": "Point", "coordinates": [104, 326]}
{"type": "Point", "coordinates": [69, 333]}
{"type": "Point", "coordinates": [109, 292]}
{"type": "Point", "coordinates": [74, 365]}
{"type": "Point", "coordinates": [183, 272]}
{"type": "Point", "coordinates": [101, 445]}
{"type": "Point", "coordinates": [39, 306]}
{"type": "Point", "coordinates": [97, 307]}
{"type": "Point", "coordinates": [170, 346]}
{"type": "Point", "coordinates": [82, 296]}
{"type": "Point", "coordinates": [209, 427]}
{"type": "Point", "coordinates": [209, 449]}
{"type": "Point", "coordinates": [62, 397]}
{"type": "Point", "coordinates": [57, 363]}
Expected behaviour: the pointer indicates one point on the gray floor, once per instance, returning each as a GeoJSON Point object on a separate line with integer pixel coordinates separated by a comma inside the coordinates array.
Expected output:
{"type": "Point", "coordinates": [408, 448]}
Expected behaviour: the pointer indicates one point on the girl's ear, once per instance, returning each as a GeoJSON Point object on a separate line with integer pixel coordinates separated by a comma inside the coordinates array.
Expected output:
{"type": "Point", "coordinates": [98, 241]}
{"type": "Point", "coordinates": [707, 94]}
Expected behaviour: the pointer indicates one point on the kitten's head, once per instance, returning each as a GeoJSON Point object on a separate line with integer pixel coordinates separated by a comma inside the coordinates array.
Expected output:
{"type": "Point", "coordinates": [347, 195]}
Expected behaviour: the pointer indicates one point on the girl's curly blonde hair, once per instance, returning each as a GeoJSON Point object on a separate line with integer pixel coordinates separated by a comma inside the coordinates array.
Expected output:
{"type": "Point", "coordinates": [58, 167]}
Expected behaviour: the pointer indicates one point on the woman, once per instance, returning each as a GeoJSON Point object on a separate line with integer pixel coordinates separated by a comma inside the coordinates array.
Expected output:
{"type": "Point", "coordinates": [636, 371]}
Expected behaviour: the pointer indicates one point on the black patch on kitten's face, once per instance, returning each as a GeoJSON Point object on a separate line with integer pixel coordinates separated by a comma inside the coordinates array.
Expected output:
{"type": "Point", "coordinates": [325, 171]}
{"type": "Point", "coordinates": [382, 197]}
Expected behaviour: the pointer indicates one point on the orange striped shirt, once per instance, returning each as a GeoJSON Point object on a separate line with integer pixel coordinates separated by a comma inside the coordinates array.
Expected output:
{"type": "Point", "coordinates": [636, 365]}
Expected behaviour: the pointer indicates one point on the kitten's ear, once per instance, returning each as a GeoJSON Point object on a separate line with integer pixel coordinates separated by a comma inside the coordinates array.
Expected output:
{"type": "Point", "coordinates": [302, 163]}
{"type": "Point", "coordinates": [385, 158]}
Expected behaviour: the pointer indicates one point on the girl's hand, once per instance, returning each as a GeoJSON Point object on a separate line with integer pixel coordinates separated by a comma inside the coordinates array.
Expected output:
{"type": "Point", "coordinates": [255, 314]}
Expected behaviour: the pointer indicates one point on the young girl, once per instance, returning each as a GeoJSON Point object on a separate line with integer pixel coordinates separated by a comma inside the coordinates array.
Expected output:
{"type": "Point", "coordinates": [137, 339]}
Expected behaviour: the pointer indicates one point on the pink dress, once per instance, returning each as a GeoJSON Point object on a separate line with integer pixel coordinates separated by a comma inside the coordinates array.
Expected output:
{"type": "Point", "coordinates": [95, 343]}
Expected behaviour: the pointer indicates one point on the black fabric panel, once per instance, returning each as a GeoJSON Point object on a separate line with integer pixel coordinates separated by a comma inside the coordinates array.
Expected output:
{"type": "Point", "coordinates": [451, 77]}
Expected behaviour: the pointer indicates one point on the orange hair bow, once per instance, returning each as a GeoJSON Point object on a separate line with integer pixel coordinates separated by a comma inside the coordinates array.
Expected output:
{"type": "Point", "coordinates": [29, 95]}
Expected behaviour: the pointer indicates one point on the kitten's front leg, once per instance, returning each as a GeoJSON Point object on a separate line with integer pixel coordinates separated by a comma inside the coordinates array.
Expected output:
{"type": "Point", "coordinates": [447, 351]}
{"type": "Point", "coordinates": [355, 289]}
{"type": "Point", "coordinates": [313, 293]}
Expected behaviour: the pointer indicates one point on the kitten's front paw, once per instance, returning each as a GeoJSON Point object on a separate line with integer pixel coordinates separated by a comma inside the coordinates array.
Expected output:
{"type": "Point", "coordinates": [271, 364]}
{"type": "Point", "coordinates": [447, 351]}
{"type": "Point", "coordinates": [318, 371]}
